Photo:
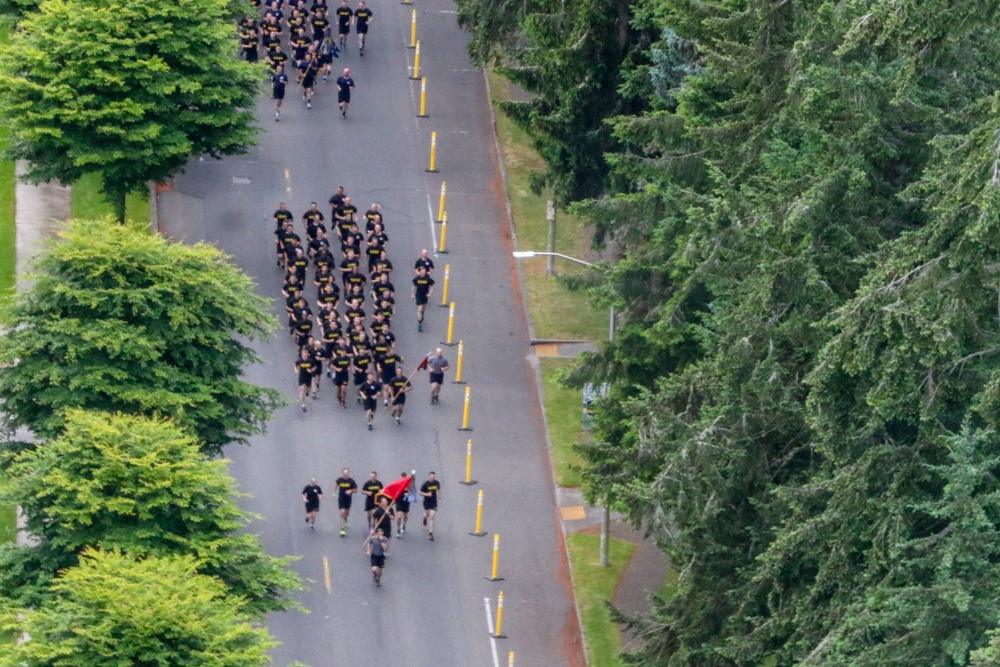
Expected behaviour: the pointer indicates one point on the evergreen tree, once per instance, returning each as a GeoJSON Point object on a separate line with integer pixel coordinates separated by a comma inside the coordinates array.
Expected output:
{"type": "Point", "coordinates": [137, 485]}
{"type": "Point", "coordinates": [119, 319]}
{"type": "Point", "coordinates": [127, 89]}
{"type": "Point", "coordinates": [115, 609]}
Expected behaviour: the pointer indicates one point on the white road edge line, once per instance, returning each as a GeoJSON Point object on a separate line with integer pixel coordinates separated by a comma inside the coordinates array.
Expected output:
{"type": "Point", "coordinates": [430, 216]}
{"type": "Point", "coordinates": [489, 629]}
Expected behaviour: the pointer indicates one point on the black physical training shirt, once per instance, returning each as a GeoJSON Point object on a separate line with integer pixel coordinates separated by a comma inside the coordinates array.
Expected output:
{"type": "Point", "coordinates": [345, 484]}
{"type": "Point", "coordinates": [362, 15]}
{"type": "Point", "coordinates": [279, 81]}
{"type": "Point", "coordinates": [341, 361]}
{"type": "Point", "coordinates": [372, 486]}
{"type": "Point", "coordinates": [432, 488]}
{"type": "Point", "coordinates": [345, 83]}
{"type": "Point", "coordinates": [426, 263]}
{"type": "Point", "coordinates": [344, 15]}
{"type": "Point", "coordinates": [423, 285]}
{"type": "Point", "coordinates": [362, 361]}
{"type": "Point", "coordinates": [371, 390]}
{"type": "Point", "coordinates": [312, 492]}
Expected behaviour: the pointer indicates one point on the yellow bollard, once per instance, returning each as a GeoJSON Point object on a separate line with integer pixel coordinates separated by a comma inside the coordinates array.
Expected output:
{"type": "Point", "coordinates": [469, 481]}
{"type": "Point", "coordinates": [406, 2]}
{"type": "Point", "coordinates": [413, 28]}
{"type": "Point", "coordinates": [479, 514]}
{"type": "Point", "coordinates": [458, 365]}
{"type": "Point", "coordinates": [444, 289]}
{"type": "Point", "coordinates": [416, 63]}
{"type": "Point", "coordinates": [510, 660]}
{"type": "Point", "coordinates": [499, 631]}
{"type": "Point", "coordinates": [434, 144]}
{"type": "Point", "coordinates": [496, 559]}
{"type": "Point", "coordinates": [423, 99]}
{"type": "Point", "coordinates": [451, 323]}
{"type": "Point", "coordinates": [444, 187]}
{"type": "Point", "coordinates": [444, 233]}
{"type": "Point", "coordinates": [465, 411]}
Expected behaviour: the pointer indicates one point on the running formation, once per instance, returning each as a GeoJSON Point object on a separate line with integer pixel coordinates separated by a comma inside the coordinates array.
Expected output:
{"type": "Point", "coordinates": [387, 508]}
{"type": "Point", "coordinates": [301, 39]}
{"type": "Point", "coordinates": [347, 331]}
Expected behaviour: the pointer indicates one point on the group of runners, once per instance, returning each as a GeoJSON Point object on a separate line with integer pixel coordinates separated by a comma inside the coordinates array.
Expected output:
{"type": "Point", "coordinates": [347, 331]}
{"type": "Point", "coordinates": [311, 47]}
{"type": "Point", "coordinates": [382, 512]}
{"type": "Point", "coordinates": [354, 341]}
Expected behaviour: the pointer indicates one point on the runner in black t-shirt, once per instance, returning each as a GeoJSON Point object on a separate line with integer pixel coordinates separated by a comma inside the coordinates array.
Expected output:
{"type": "Point", "coordinates": [369, 392]}
{"type": "Point", "coordinates": [344, 18]}
{"type": "Point", "coordinates": [431, 491]}
{"type": "Point", "coordinates": [281, 216]}
{"type": "Point", "coordinates": [278, 82]}
{"type": "Point", "coordinates": [311, 495]}
{"type": "Point", "coordinates": [345, 84]}
{"type": "Point", "coordinates": [383, 516]}
{"type": "Point", "coordinates": [309, 68]}
{"type": "Point", "coordinates": [399, 385]}
{"type": "Point", "coordinates": [387, 360]}
{"type": "Point", "coordinates": [346, 486]}
{"type": "Point", "coordinates": [319, 24]}
{"type": "Point", "coordinates": [336, 201]}
{"type": "Point", "coordinates": [362, 19]}
{"type": "Point", "coordinates": [370, 489]}
{"type": "Point", "coordinates": [423, 285]}
{"type": "Point", "coordinates": [277, 58]}
{"type": "Point", "coordinates": [317, 351]}
{"type": "Point", "coordinates": [340, 364]}
{"type": "Point", "coordinates": [304, 369]}
{"type": "Point", "coordinates": [425, 261]}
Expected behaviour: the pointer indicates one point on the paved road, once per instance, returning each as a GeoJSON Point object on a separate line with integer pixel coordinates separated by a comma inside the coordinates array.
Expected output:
{"type": "Point", "coordinates": [431, 609]}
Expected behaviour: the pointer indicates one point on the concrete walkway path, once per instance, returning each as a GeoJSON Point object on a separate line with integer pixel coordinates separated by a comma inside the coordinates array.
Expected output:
{"type": "Point", "coordinates": [40, 210]}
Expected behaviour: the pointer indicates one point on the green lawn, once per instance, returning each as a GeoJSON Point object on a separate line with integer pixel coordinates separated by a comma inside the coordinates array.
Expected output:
{"type": "Point", "coordinates": [556, 312]}
{"type": "Point", "coordinates": [87, 202]}
{"type": "Point", "coordinates": [595, 586]}
{"type": "Point", "coordinates": [563, 408]}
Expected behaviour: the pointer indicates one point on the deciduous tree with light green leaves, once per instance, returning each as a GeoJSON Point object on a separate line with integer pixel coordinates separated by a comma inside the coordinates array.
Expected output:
{"type": "Point", "coordinates": [139, 485]}
{"type": "Point", "coordinates": [119, 609]}
{"type": "Point", "coordinates": [125, 88]}
{"type": "Point", "coordinates": [123, 320]}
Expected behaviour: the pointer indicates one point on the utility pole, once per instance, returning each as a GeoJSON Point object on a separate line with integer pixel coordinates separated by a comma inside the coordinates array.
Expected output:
{"type": "Point", "coordinates": [550, 215]}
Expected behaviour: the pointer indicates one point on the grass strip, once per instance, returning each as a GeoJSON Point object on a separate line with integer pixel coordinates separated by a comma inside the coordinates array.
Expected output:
{"type": "Point", "coordinates": [563, 409]}
{"type": "Point", "coordinates": [595, 586]}
{"type": "Point", "coordinates": [87, 201]}
{"type": "Point", "coordinates": [556, 312]}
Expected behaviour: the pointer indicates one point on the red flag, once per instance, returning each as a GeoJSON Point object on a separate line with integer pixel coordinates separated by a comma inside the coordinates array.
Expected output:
{"type": "Point", "coordinates": [395, 489]}
{"type": "Point", "coordinates": [422, 366]}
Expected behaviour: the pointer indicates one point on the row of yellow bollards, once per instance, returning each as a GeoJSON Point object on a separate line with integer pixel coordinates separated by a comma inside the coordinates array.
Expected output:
{"type": "Point", "coordinates": [442, 249]}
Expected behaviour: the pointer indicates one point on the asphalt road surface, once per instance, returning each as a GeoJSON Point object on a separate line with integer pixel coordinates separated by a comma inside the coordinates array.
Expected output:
{"type": "Point", "coordinates": [432, 609]}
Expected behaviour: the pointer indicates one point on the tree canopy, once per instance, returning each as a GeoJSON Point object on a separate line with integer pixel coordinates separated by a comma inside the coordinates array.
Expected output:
{"type": "Point", "coordinates": [118, 609]}
{"type": "Point", "coordinates": [801, 212]}
{"type": "Point", "coordinates": [122, 320]}
{"type": "Point", "coordinates": [137, 485]}
{"type": "Point", "coordinates": [127, 89]}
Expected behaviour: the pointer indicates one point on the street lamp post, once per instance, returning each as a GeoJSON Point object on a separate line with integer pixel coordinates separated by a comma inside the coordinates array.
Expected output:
{"type": "Point", "coordinates": [606, 516]}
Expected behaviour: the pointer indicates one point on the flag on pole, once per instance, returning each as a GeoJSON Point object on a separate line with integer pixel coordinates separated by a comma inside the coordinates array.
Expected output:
{"type": "Point", "coordinates": [395, 489]}
{"type": "Point", "coordinates": [422, 366]}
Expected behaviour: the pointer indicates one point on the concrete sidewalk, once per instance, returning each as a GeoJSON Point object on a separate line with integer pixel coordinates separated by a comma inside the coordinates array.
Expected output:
{"type": "Point", "coordinates": [39, 212]}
